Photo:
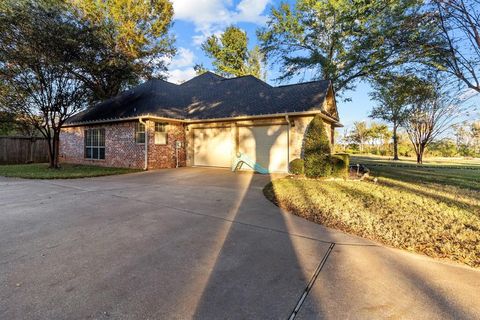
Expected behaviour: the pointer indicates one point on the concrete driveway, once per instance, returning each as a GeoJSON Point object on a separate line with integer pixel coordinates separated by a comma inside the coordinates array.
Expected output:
{"type": "Point", "coordinates": [204, 244]}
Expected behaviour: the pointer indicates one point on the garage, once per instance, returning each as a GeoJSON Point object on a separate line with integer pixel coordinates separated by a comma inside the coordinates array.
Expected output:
{"type": "Point", "coordinates": [213, 147]}
{"type": "Point", "coordinates": [266, 145]}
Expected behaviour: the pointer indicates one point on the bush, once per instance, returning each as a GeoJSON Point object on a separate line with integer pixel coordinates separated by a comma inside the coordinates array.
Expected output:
{"type": "Point", "coordinates": [340, 165]}
{"type": "Point", "coordinates": [317, 166]}
{"type": "Point", "coordinates": [317, 150]}
{"type": "Point", "coordinates": [297, 166]}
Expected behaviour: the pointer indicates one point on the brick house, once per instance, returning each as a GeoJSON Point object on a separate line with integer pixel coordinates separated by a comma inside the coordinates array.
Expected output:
{"type": "Point", "coordinates": [206, 121]}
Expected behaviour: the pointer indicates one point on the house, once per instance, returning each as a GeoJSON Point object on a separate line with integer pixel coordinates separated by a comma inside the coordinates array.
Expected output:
{"type": "Point", "coordinates": [205, 121]}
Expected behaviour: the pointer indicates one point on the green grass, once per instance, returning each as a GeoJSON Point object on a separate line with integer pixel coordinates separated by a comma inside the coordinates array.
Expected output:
{"type": "Point", "coordinates": [454, 172]}
{"type": "Point", "coordinates": [67, 171]}
{"type": "Point", "coordinates": [434, 210]}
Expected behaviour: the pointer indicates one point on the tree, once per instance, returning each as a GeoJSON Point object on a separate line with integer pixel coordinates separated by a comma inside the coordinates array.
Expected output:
{"type": "Point", "coordinates": [40, 87]}
{"type": "Point", "coordinates": [459, 22]}
{"type": "Point", "coordinates": [231, 56]}
{"type": "Point", "coordinates": [379, 135]}
{"type": "Point", "coordinates": [393, 93]}
{"type": "Point", "coordinates": [360, 134]}
{"type": "Point", "coordinates": [434, 111]}
{"type": "Point", "coordinates": [345, 40]}
{"type": "Point", "coordinates": [124, 41]}
{"type": "Point", "coordinates": [199, 69]}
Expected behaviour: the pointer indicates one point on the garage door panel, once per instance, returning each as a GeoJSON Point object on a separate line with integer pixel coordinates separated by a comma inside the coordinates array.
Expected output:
{"type": "Point", "coordinates": [212, 147]}
{"type": "Point", "coordinates": [266, 145]}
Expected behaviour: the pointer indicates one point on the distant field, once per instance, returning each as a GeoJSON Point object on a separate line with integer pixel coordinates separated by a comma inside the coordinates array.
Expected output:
{"type": "Point", "coordinates": [446, 171]}
{"type": "Point", "coordinates": [432, 209]}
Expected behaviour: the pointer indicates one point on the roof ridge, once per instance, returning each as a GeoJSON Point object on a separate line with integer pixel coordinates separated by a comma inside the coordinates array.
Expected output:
{"type": "Point", "coordinates": [301, 83]}
{"type": "Point", "coordinates": [249, 76]}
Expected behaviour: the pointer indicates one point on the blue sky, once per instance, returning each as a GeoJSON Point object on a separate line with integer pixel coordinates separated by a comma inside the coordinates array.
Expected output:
{"type": "Point", "coordinates": [195, 20]}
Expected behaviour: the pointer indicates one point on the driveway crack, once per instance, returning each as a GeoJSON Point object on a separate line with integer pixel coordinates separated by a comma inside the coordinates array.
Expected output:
{"type": "Point", "coordinates": [310, 284]}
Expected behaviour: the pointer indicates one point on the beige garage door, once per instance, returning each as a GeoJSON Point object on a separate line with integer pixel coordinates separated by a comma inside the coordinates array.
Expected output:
{"type": "Point", "coordinates": [266, 145]}
{"type": "Point", "coordinates": [212, 147]}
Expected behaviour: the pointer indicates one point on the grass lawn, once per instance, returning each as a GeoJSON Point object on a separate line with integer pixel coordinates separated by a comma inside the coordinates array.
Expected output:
{"type": "Point", "coordinates": [434, 210]}
{"type": "Point", "coordinates": [67, 171]}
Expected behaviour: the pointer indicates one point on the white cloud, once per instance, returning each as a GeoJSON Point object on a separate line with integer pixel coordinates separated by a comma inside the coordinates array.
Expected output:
{"type": "Point", "coordinates": [212, 16]}
{"type": "Point", "coordinates": [184, 58]}
{"type": "Point", "coordinates": [181, 75]}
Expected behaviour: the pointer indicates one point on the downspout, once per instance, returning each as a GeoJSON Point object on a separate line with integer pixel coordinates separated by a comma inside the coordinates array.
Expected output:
{"type": "Point", "coordinates": [146, 143]}
{"type": "Point", "coordinates": [288, 139]}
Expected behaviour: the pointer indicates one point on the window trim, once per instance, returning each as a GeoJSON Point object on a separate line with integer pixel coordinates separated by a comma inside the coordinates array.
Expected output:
{"type": "Point", "coordinates": [95, 144]}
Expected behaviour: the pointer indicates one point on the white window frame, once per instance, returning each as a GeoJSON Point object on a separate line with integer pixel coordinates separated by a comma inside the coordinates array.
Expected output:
{"type": "Point", "coordinates": [139, 133]}
{"type": "Point", "coordinates": [95, 143]}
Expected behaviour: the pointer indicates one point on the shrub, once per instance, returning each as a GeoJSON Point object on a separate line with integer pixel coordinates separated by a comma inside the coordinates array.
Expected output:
{"type": "Point", "coordinates": [316, 138]}
{"type": "Point", "coordinates": [297, 166]}
{"type": "Point", "coordinates": [318, 165]}
{"type": "Point", "coordinates": [317, 150]}
{"type": "Point", "coordinates": [340, 165]}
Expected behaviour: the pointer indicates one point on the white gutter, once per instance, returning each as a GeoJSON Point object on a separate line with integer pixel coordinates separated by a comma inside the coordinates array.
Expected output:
{"type": "Point", "coordinates": [146, 143]}
{"type": "Point", "coordinates": [288, 139]}
{"type": "Point", "coordinates": [187, 121]}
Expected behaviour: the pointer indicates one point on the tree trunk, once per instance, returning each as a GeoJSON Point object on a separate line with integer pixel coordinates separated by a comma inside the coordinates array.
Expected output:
{"type": "Point", "coordinates": [51, 156]}
{"type": "Point", "coordinates": [56, 149]}
{"type": "Point", "coordinates": [395, 143]}
{"type": "Point", "coordinates": [421, 150]}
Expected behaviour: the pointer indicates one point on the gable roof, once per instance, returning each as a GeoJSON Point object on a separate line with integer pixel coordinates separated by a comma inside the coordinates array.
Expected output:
{"type": "Point", "coordinates": [209, 96]}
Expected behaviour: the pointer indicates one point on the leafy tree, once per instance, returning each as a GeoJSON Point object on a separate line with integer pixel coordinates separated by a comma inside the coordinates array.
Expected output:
{"type": "Point", "coordinates": [459, 22]}
{"type": "Point", "coordinates": [442, 148]}
{"type": "Point", "coordinates": [345, 40]}
{"type": "Point", "coordinates": [360, 134]}
{"type": "Point", "coordinates": [199, 69]}
{"type": "Point", "coordinates": [379, 135]}
{"type": "Point", "coordinates": [39, 87]}
{"type": "Point", "coordinates": [231, 56]}
{"type": "Point", "coordinates": [123, 41]}
{"type": "Point", "coordinates": [393, 93]}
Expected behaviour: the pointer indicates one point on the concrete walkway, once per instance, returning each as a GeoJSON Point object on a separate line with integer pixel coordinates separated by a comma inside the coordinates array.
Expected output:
{"type": "Point", "coordinates": [204, 244]}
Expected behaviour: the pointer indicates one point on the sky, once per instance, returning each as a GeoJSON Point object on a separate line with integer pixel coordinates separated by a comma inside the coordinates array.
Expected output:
{"type": "Point", "coordinates": [195, 20]}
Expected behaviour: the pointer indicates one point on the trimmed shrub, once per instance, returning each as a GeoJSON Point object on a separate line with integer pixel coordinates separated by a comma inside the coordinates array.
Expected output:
{"type": "Point", "coordinates": [316, 138]}
{"type": "Point", "coordinates": [297, 166]}
{"type": "Point", "coordinates": [317, 166]}
{"type": "Point", "coordinates": [317, 150]}
{"type": "Point", "coordinates": [340, 165]}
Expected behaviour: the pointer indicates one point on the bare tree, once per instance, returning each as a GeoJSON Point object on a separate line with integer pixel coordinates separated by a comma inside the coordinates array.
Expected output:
{"type": "Point", "coordinates": [434, 111]}
{"type": "Point", "coordinates": [460, 27]}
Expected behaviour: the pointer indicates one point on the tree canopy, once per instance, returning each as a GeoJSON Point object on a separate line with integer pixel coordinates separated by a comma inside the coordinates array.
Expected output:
{"type": "Point", "coordinates": [230, 54]}
{"type": "Point", "coordinates": [345, 40]}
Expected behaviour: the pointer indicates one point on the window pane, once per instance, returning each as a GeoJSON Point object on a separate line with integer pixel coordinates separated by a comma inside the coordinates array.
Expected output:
{"type": "Point", "coordinates": [101, 153]}
{"type": "Point", "coordinates": [102, 138]}
{"type": "Point", "coordinates": [88, 137]}
{"type": "Point", "coordinates": [88, 153]}
{"type": "Point", "coordinates": [95, 153]}
{"type": "Point", "coordinates": [140, 137]}
{"type": "Point", "coordinates": [160, 127]}
{"type": "Point", "coordinates": [160, 138]}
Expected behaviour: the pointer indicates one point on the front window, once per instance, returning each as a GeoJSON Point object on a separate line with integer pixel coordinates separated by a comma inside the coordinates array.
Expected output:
{"type": "Point", "coordinates": [95, 144]}
{"type": "Point", "coordinates": [160, 133]}
{"type": "Point", "coordinates": [139, 132]}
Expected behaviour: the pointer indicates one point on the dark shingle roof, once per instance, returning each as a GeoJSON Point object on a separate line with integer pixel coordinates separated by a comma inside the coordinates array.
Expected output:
{"type": "Point", "coordinates": [208, 96]}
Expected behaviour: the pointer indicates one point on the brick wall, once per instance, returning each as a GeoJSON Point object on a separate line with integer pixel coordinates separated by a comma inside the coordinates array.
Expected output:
{"type": "Point", "coordinates": [120, 147]}
{"type": "Point", "coordinates": [163, 156]}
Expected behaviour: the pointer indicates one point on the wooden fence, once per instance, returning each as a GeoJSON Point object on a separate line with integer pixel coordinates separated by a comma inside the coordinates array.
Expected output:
{"type": "Point", "coordinates": [18, 150]}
